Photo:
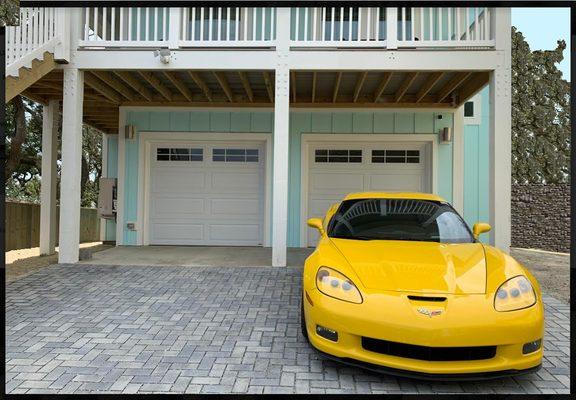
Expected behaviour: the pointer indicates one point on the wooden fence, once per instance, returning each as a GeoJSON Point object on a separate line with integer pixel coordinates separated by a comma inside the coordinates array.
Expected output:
{"type": "Point", "coordinates": [23, 225]}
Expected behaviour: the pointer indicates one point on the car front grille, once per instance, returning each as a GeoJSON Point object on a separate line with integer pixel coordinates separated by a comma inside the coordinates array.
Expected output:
{"type": "Point", "coordinates": [428, 353]}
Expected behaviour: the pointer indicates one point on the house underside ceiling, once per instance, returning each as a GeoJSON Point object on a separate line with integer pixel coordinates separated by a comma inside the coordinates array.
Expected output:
{"type": "Point", "coordinates": [105, 91]}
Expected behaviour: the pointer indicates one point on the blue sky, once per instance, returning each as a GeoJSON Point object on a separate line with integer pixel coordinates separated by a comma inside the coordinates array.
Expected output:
{"type": "Point", "coordinates": [542, 27]}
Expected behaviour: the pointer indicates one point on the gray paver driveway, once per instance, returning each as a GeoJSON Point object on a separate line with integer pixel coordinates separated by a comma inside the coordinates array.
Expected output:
{"type": "Point", "coordinates": [86, 328]}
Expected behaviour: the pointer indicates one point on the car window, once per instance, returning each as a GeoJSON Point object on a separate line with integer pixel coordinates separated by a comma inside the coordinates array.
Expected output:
{"type": "Point", "coordinates": [399, 219]}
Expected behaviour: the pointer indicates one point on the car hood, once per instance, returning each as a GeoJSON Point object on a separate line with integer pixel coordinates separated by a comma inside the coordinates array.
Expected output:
{"type": "Point", "coordinates": [417, 266]}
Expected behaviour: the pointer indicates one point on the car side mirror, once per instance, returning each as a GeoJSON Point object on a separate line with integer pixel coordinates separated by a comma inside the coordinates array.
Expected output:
{"type": "Point", "coordinates": [316, 223]}
{"type": "Point", "coordinates": [479, 228]}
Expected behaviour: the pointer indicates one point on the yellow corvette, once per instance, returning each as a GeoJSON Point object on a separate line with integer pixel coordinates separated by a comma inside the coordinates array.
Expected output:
{"type": "Point", "coordinates": [398, 283]}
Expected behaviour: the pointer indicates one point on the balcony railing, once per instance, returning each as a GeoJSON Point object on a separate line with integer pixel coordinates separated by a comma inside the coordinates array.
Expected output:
{"type": "Point", "coordinates": [43, 29]}
{"type": "Point", "coordinates": [40, 30]}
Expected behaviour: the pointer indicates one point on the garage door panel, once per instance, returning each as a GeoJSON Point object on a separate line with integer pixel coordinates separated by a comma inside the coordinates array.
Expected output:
{"type": "Point", "coordinates": [336, 182]}
{"type": "Point", "coordinates": [177, 180]}
{"type": "Point", "coordinates": [170, 207]}
{"type": "Point", "coordinates": [238, 233]}
{"type": "Point", "coordinates": [236, 207]}
{"type": "Point", "coordinates": [383, 166]}
{"type": "Point", "coordinates": [166, 232]}
{"type": "Point", "coordinates": [236, 182]}
{"type": "Point", "coordinates": [206, 202]}
{"type": "Point", "coordinates": [394, 182]}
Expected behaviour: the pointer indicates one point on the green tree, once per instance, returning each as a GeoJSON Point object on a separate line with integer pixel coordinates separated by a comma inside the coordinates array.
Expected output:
{"type": "Point", "coordinates": [9, 12]}
{"type": "Point", "coordinates": [24, 154]}
{"type": "Point", "coordinates": [540, 114]}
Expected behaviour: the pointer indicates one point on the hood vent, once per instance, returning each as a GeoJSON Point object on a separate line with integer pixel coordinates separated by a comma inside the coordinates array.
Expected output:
{"type": "Point", "coordinates": [427, 298]}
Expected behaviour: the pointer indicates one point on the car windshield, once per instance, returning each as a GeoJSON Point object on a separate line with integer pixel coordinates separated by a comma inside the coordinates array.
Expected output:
{"type": "Point", "coordinates": [398, 219]}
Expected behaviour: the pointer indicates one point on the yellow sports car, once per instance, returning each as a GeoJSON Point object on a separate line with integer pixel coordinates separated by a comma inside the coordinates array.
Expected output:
{"type": "Point", "coordinates": [398, 283]}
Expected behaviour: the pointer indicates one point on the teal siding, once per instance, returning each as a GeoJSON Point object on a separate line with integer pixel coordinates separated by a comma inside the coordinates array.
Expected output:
{"type": "Point", "coordinates": [367, 122]}
{"type": "Point", "coordinates": [476, 168]}
{"type": "Point", "coordinates": [111, 172]}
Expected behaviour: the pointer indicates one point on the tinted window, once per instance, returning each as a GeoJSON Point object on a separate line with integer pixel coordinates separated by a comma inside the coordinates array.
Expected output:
{"type": "Point", "coordinates": [399, 219]}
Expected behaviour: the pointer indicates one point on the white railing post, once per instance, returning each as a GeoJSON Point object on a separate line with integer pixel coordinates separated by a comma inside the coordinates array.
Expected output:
{"type": "Point", "coordinates": [175, 27]}
{"type": "Point", "coordinates": [63, 22]}
{"type": "Point", "coordinates": [391, 28]}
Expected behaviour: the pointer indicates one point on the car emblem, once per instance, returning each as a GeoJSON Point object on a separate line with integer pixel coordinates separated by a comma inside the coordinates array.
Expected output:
{"type": "Point", "coordinates": [429, 313]}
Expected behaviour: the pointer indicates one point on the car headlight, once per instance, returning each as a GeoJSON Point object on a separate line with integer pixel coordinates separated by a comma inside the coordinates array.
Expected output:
{"type": "Point", "coordinates": [514, 294]}
{"type": "Point", "coordinates": [334, 284]}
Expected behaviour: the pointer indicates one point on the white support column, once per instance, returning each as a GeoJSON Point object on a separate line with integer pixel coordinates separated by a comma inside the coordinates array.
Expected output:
{"type": "Point", "coordinates": [104, 175]}
{"type": "Point", "coordinates": [69, 239]}
{"type": "Point", "coordinates": [48, 187]}
{"type": "Point", "coordinates": [281, 142]}
{"type": "Point", "coordinates": [500, 175]}
{"type": "Point", "coordinates": [458, 161]}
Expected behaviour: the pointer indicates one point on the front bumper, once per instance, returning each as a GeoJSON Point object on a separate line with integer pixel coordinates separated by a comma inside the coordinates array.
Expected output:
{"type": "Point", "coordinates": [393, 317]}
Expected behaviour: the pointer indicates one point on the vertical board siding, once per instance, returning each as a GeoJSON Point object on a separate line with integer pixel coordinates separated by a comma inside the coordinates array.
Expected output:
{"type": "Point", "coordinates": [476, 168]}
{"type": "Point", "coordinates": [374, 122]}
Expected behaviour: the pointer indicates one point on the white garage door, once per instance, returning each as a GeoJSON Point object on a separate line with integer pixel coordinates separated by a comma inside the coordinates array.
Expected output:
{"type": "Point", "coordinates": [334, 170]}
{"type": "Point", "coordinates": [205, 193]}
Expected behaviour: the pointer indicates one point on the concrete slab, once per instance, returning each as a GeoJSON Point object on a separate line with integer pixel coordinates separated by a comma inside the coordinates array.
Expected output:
{"type": "Point", "coordinates": [195, 256]}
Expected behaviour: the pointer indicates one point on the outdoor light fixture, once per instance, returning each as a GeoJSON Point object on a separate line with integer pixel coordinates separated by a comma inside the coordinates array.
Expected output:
{"type": "Point", "coordinates": [129, 131]}
{"type": "Point", "coordinates": [445, 135]}
{"type": "Point", "coordinates": [164, 55]}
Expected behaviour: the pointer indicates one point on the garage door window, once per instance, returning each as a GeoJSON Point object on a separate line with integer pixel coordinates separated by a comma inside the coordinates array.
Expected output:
{"type": "Point", "coordinates": [396, 156]}
{"type": "Point", "coordinates": [338, 156]}
{"type": "Point", "coordinates": [179, 154]}
{"type": "Point", "coordinates": [235, 155]}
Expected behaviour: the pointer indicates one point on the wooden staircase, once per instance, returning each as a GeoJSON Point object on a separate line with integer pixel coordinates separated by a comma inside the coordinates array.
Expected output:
{"type": "Point", "coordinates": [27, 76]}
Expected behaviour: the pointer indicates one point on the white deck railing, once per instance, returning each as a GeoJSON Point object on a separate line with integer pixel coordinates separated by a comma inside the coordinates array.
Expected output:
{"type": "Point", "coordinates": [48, 29]}
{"type": "Point", "coordinates": [338, 27]}
{"type": "Point", "coordinates": [125, 26]}
{"type": "Point", "coordinates": [444, 27]}
{"type": "Point", "coordinates": [40, 30]}
{"type": "Point", "coordinates": [228, 26]}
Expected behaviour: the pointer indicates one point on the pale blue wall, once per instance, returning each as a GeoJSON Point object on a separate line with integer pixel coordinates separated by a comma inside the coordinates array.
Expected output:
{"type": "Point", "coordinates": [476, 167]}
{"type": "Point", "coordinates": [112, 172]}
{"type": "Point", "coordinates": [377, 122]}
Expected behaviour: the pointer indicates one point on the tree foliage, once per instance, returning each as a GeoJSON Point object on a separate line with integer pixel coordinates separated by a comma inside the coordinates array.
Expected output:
{"type": "Point", "coordinates": [9, 12]}
{"type": "Point", "coordinates": [540, 114]}
{"type": "Point", "coordinates": [24, 154]}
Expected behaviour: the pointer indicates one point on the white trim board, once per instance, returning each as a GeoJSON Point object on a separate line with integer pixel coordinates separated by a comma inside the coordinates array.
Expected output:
{"type": "Point", "coordinates": [146, 139]}
{"type": "Point", "coordinates": [308, 139]}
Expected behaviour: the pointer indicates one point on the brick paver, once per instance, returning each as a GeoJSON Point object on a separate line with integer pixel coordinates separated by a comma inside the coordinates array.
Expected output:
{"type": "Point", "coordinates": [122, 329]}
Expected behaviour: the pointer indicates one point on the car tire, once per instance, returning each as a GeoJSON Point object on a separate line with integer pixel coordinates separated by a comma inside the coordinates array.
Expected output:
{"type": "Point", "coordinates": [303, 321]}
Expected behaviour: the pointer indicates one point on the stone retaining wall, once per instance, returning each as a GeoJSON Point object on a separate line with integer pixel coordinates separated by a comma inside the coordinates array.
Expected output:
{"type": "Point", "coordinates": [541, 217]}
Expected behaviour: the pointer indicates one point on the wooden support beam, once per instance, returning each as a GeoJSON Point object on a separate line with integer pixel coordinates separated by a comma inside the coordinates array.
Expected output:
{"type": "Point", "coordinates": [156, 84]}
{"type": "Point", "coordinates": [34, 97]}
{"type": "Point", "coordinates": [336, 86]}
{"type": "Point", "coordinates": [382, 86]}
{"type": "Point", "coordinates": [221, 78]}
{"type": "Point", "coordinates": [359, 84]}
{"type": "Point", "coordinates": [405, 85]}
{"type": "Point", "coordinates": [470, 88]}
{"type": "Point", "coordinates": [201, 84]}
{"type": "Point", "coordinates": [136, 84]}
{"type": "Point", "coordinates": [180, 85]}
{"type": "Point", "coordinates": [313, 86]}
{"type": "Point", "coordinates": [293, 74]}
{"type": "Point", "coordinates": [107, 78]}
{"type": "Point", "coordinates": [246, 84]}
{"type": "Point", "coordinates": [102, 88]}
{"type": "Point", "coordinates": [428, 85]}
{"type": "Point", "coordinates": [452, 85]}
{"type": "Point", "coordinates": [269, 85]}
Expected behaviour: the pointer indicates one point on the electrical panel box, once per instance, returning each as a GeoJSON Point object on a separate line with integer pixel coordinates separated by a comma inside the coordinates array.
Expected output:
{"type": "Point", "coordinates": [107, 198]}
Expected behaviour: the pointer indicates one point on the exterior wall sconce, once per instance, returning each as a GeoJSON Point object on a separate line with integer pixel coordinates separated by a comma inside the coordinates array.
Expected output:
{"type": "Point", "coordinates": [446, 135]}
{"type": "Point", "coordinates": [129, 131]}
